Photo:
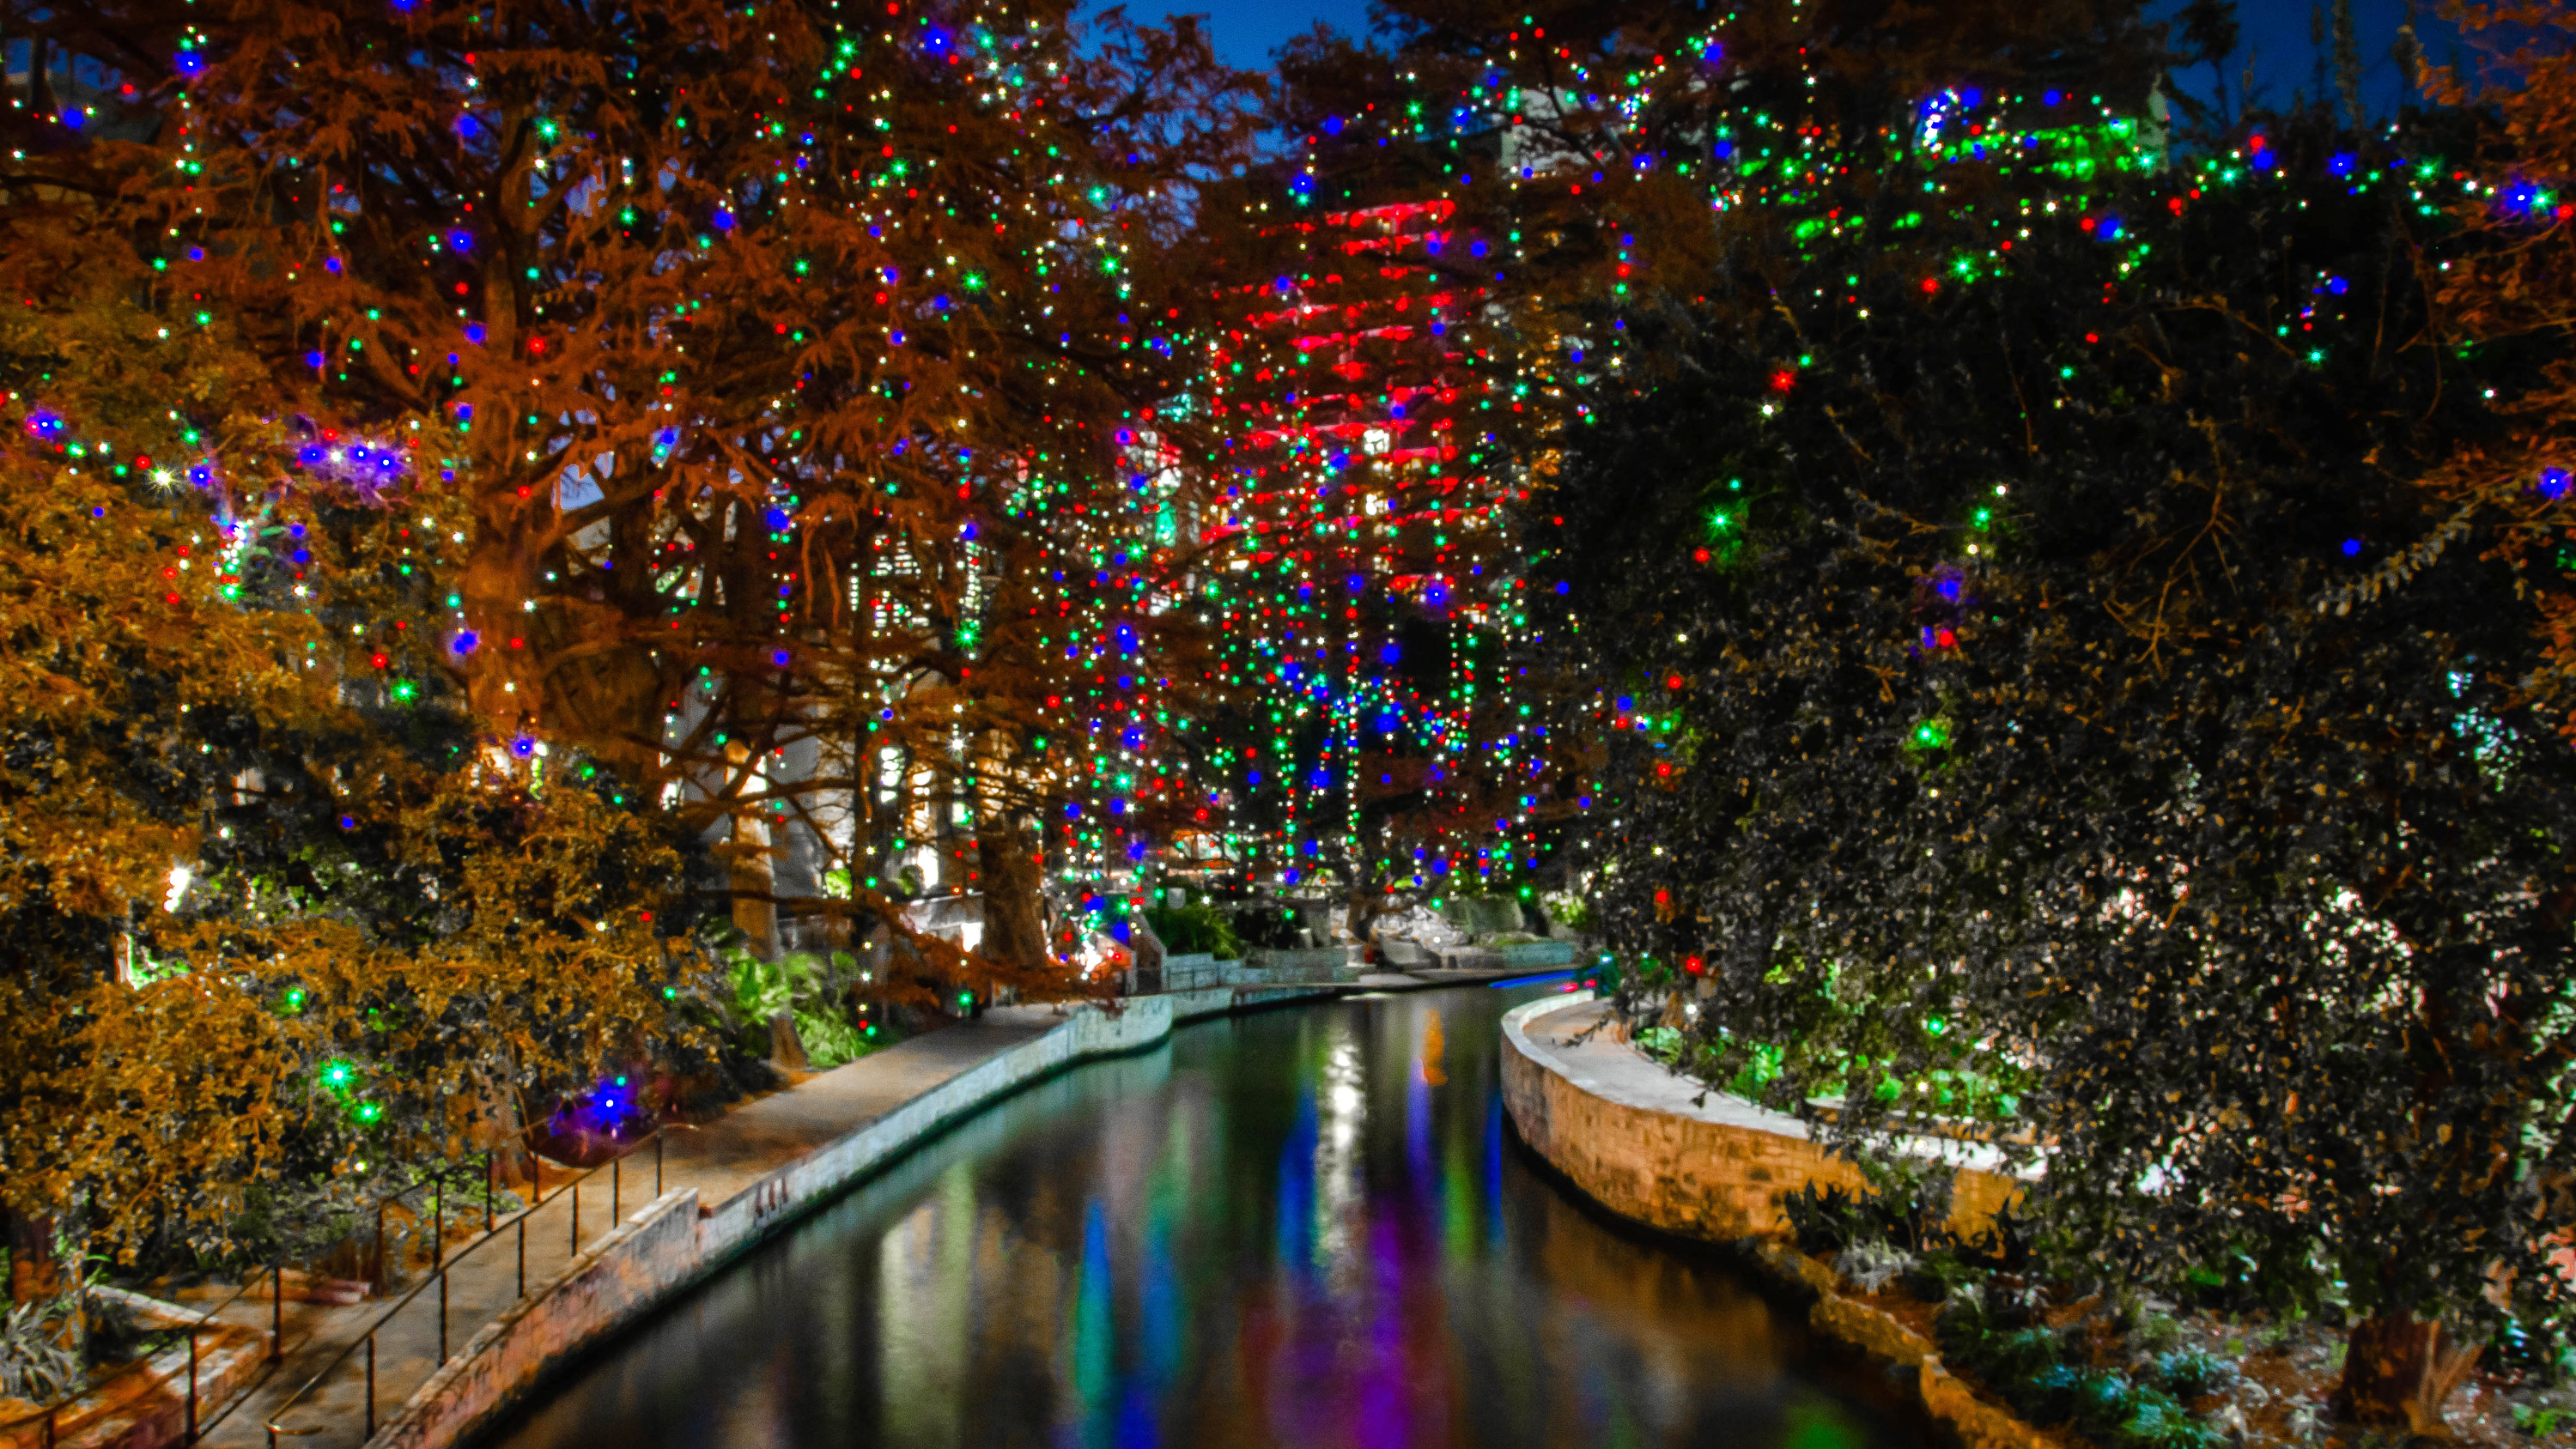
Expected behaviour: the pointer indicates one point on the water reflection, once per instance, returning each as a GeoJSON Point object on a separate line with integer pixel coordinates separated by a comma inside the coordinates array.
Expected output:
{"type": "Point", "coordinates": [1307, 1227]}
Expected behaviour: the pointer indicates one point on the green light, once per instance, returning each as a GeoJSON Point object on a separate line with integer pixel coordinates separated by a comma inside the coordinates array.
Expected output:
{"type": "Point", "coordinates": [368, 1112]}
{"type": "Point", "coordinates": [1985, 516]}
{"type": "Point", "coordinates": [1931, 734]}
{"type": "Point", "coordinates": [336, 1075]}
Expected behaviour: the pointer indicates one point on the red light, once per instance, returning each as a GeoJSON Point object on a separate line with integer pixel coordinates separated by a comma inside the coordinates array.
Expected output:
{"type": "Point", "coordinates": [1694, 965]}
{"type": "Point", "coordinates": [1946, 639]}
{"type": "Point", "coordinates": [1931, 284]}
{"type": "Point", "coordinates": [1672, 681]}
{"type": "Point", "coordinates": [379, 661]}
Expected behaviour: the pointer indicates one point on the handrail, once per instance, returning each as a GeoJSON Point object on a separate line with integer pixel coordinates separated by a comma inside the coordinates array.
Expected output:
{"type": "Point", "coordinates": [441, 1263]}
{"type": "Point", "coordinates": [52, 1413]}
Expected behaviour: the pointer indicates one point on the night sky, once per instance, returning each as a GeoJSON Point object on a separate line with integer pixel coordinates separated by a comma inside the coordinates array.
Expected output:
{"type": "Point", "coordinates": [2275, 34]}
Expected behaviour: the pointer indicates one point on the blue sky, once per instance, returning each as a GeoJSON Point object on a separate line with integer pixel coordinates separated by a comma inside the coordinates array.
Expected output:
{"type": "Point", "coordinates": [2275, 31]}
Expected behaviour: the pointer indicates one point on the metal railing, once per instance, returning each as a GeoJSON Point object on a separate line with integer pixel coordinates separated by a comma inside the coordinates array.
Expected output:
{"type": "Point", "coordinates": [52, 1414]}
{"type": "Point", "coordinates": [442, 1264]}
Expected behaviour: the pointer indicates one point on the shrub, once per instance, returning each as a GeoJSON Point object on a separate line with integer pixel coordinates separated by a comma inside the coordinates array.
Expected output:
{"type": "Point", "coordinates": [38, 1361]}
{"type": "Point", "coordinates": [1194, 930]}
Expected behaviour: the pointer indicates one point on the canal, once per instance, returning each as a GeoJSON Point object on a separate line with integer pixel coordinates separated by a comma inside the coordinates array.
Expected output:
{"type": "Point", "coordinates": [1304, 1226]}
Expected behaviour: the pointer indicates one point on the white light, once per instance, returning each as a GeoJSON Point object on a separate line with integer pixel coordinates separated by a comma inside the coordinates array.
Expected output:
{"type": "Point", "coordinates": [180, 875]}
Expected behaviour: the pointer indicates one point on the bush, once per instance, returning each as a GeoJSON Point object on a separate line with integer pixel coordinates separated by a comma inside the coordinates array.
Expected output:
{"type": "Point", "coordinates": [1195, 930]}
{"type": "Point", "coordinates": [38, 1361]}
{"type": "Point", "coordinates": [2189, 1373]}
{"type": "Point", "coordinates": [1912, 1218]}
{"type": "Point", "coordinates": [2041, 1373]}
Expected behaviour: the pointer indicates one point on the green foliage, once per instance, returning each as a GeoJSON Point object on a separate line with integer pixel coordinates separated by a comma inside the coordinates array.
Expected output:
{"type": "Point", "coordinates": [2043, 1374]}
{"type": "Point", "coordinates": [2235, 740]}
{"type": "Point", "coordinates": [2539, 1422]}
{"type": "Point", "coordinates": [830, 1038]}
{"type": "Point", "coordinates": [39, 1358]}
{"type": "Point", "coordinates": [1195, 929]}
{"type": "Point", "coordinates": [812, 990]}
{"type": "Point", "coordinates": [2189, 1373]}
{"type": "Point", "coordinates": [1829, 1220]}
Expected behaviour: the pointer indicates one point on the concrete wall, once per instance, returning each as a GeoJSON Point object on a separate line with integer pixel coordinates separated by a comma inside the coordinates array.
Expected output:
{"type": "Point", "coordinates": [1667, 1163]}
{"type": "Point", "coordinates": [671, 1244]}
{"type": "Point", "coordinates": [640, 1262]}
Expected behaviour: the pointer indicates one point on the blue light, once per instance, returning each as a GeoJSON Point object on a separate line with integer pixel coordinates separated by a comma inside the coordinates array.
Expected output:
{"type": "Point", "coordinates": [2351, 548]}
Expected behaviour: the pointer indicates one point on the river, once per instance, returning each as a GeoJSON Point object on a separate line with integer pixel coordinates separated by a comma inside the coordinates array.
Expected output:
{"type": "Point", "coordinates": [1304, 1226]}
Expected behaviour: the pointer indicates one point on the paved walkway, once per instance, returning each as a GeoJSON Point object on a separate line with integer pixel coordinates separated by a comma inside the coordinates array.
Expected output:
{"type": "Point", "coordinates": [720, 1159]}
{"type": "Point", "coordinates": [484, 1278]}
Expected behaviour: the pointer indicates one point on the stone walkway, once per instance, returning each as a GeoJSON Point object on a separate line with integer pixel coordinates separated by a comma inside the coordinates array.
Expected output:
{"type": "Point", "coordinates": [719, 1159]}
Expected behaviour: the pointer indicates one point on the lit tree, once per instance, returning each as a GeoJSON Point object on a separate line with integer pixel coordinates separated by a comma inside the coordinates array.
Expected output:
{"type": "Point", "coordinates": [272, 920]}
{"type": "Point", "coordinates": [728, 333]}
{"type": "Point", "coordinates": [2047, 694]}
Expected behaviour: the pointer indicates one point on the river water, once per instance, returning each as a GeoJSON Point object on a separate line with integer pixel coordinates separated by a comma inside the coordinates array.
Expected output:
{"type": "Point", "coordinates": [1306, 1226]}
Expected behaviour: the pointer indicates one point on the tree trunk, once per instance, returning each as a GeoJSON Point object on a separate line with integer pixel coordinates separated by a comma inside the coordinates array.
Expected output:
{"type": "Point", "coordinates": [35, 1269]}
{"type": "Point", "coordinates": [786, 1048]}
{"type": "Point", "coordinates": [2398, 1372]}
{"type": "Point", "coordinates": [754, 913]}
{"type": "Point", "coordinates": [1014, 911]}
{"type": "Point", "coordinates": [1365, 903]}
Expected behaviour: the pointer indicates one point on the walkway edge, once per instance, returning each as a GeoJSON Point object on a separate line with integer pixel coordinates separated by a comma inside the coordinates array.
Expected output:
{"type": "Point", "coordinates": [674, 1242]}
{"type": "Point", "coordinates": [1718, 1182]}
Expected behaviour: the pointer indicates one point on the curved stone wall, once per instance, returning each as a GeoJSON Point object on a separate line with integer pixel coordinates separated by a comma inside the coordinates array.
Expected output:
{"type": "Point", "coordinates": [1654, 1148]}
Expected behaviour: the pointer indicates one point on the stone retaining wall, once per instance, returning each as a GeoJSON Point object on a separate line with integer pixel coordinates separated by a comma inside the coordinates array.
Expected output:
{"type": "Point", "coordinates": [673, 1243]}
{"type": "Point", "coordinates": [1663, 1164]}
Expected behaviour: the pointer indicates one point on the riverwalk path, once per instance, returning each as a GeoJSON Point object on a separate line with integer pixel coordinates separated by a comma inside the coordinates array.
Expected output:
{"type": "Point", "coordinates": [721, 1158]}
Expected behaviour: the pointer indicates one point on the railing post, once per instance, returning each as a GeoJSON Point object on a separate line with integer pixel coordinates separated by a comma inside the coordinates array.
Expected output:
{"type": "Point", "coordinates": [277, 1311]}
{"type": "Point", "coordinates": [523, 1251]}
{"type": "Point", "coordinates": [192, 1386]}
{"type": "Point", "coordinates": [442, 1317]}
{"type": "Point", "coordinates": [575, 1250]}
{"type": "Point", "coordinates": [657, 1162]}
{"type": "Point", "coordinates": [49, 1425]}
{"type": "Point", "coordinates": [487, 1191]}
{"type": "Point", "coordinates": [438, 1221]}
{"type": "Point", "coordinates": [384, 1270]}
{"type": "Point", "coordinates": [371, 1386]}
{"type": "Point", "coordinates": [616, 1190]}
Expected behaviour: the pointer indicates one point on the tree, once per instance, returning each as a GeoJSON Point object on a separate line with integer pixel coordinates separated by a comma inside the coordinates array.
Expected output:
{"type": "Point", "coordinates": [2510, 291]}
{"type": "Point", "coordinates": [271, 920]}
{"type": "Point", "coordinates": [2067, 710]}
{"type": "Point", "coordinates": [731, 334]}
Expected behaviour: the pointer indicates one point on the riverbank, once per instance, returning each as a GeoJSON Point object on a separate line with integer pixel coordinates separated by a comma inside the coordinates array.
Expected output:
{"type": "Point", "coordinates": [1661, 1151]}
{"type": "Point", "coordinates": [1306, 1226]}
